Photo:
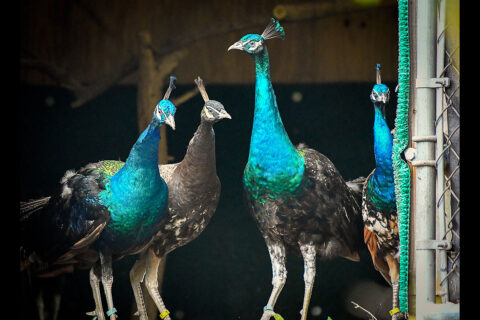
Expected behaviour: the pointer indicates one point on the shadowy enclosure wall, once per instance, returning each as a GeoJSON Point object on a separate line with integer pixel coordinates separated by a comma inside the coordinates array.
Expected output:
{"type": "Point", "coordinates": [90, 40]}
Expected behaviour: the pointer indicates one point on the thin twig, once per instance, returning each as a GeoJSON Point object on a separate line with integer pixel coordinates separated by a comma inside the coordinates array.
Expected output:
{"type": "Point", "coordinates": [356, 306]}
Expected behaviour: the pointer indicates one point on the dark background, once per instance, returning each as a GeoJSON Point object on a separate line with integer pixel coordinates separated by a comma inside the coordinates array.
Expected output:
{"type": "Point", "coordinates": [225, 273]}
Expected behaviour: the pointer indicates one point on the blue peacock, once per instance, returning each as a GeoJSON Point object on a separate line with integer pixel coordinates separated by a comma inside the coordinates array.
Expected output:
{"type": "Point", "coordinates": [102, 212]}
{"type": "Point", "coordinates": [297, 197]}
{"type": "Point", "coordinates": [379, 211]}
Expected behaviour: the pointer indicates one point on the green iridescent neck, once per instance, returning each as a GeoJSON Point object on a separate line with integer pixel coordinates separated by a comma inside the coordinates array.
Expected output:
{"type": "Point", "coordinates": [274, 165]}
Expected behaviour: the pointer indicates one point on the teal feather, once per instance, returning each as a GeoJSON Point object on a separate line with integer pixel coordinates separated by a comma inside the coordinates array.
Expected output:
{"type": "Point", "coordinates": [136, 195]}
{"type": "Point", "coordinates": [274, 165]}
{"type": "Point", "coordinates": [381, 185]}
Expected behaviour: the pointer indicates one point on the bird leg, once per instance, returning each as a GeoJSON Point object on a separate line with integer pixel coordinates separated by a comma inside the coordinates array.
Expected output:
{"type": "Point", "coordinates": [137, 274]}
{"type": "Point", "coordinates": [107, 281]}
{"type": "Point", "coordinates": [394, 273]}
{"type": "Point", "coordinates": [309, 255]}
{"type": "Point", "coordinates": [95, 284]}
{"type": "Point", "coordinates": [40, 305]}
{"type": "Point", "coordinates": [57, 296]}
{"type": "Point", "coordinates": [279, 276]}
{"type": "Point", "coordinates": [151, 282]}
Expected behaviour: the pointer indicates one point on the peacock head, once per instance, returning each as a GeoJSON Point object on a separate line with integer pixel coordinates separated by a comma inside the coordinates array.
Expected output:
{"type": "Point", "coordinates": [165, 110]}
{"type": "Point", "coordinates": [254, 43]}
{"type": "Point", "coordinates": [380, 93]}
{"type": "Point", "coordinates": [213, 111]}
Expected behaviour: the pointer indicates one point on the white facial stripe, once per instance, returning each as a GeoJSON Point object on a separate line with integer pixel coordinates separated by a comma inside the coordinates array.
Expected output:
{"type": "Point", "coordinates": [255, 46]}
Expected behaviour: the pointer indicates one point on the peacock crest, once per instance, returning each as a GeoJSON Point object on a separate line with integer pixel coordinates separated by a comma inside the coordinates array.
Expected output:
{"type": "Point", "coordinates": [273, 30]}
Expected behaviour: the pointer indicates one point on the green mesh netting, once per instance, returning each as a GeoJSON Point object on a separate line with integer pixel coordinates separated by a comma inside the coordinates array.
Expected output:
{"type": "Point", "coordinates": [400, 142]}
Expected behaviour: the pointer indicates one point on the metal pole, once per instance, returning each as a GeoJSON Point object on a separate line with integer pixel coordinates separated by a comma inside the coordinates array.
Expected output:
{"type": "Point", "coordinates": [440, 197]}
{"type": "Point", "coordinates": [425, 174]}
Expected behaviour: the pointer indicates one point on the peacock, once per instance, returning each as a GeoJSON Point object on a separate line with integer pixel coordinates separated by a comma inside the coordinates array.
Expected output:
{"type": "Point", "coordinates": [194, 191]}
{"type": "Point", "coordinates": [297, 197]}
{"type": "Point", "coordinates": [102, 212]}
{"type": "Point", "coordinates": [379, 210]}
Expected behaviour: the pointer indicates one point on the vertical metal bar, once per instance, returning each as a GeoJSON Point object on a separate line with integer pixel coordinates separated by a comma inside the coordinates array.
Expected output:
{"type": "Point", "coordinates": [440, 198]}
{"type": "Point", "coordinates": [425, 175]}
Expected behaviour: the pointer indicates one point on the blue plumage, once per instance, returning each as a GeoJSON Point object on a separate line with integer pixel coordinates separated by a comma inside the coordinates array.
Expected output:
{"type": "Point", "coordinates": [105, 210]}
{"type": "Point", "coordinates": [379, 211]}
{"type": "Point", "coordinates": [381, 184]}
{"type": "Point", "coordinates": [296, 196]}
{"type": "Point", "coordinates": [136, 196]}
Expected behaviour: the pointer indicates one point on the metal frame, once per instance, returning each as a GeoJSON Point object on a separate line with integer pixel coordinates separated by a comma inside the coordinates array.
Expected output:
{"type": "Point", "coordinates": [431, 183]}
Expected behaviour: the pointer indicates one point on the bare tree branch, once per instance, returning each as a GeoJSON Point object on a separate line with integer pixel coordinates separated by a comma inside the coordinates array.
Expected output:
{"type": "Point", "coordinates": [185, 97]}
{"type": "Point", "coordinates": [356, 306]}
{"type": "Point", "coordinates": [86, 92]}
{"type": "Point", "coordinates": [59, 75]}
{"type": "Point", "coordinates": [95, 18]}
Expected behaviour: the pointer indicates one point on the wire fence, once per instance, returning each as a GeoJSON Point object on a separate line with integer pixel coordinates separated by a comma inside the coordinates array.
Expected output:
{"type": "Point", "coordinates": [449, 270]}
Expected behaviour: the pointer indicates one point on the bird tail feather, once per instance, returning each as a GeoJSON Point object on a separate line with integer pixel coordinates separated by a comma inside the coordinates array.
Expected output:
{"type": "Point", "coordinates": [27, 208]}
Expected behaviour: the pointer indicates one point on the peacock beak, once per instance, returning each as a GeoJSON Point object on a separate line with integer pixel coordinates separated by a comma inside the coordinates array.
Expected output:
{"type": "Point", "coordinates": [225, 115]}
{"type": "Point", "coordinates": [237, 45]}
{"type": "Point", "coordinates": [170, 121]}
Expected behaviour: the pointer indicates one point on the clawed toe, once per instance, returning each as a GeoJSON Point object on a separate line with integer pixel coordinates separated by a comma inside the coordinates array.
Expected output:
{"type": "Point", "coordinates": [141, 317]}
{"type": "Point", "coordinates": [96, 315]}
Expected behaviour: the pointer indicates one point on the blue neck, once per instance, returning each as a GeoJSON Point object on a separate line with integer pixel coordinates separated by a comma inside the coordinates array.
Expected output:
{"type": "Point", "coordinates": [382, 181]}
{"type": "Point", "coordinates": [272, 157]}
{"type": "Point", "coordinates": [142, 162]}
{"type": "Point", "coordinates": [383, 144]}
{"type": "Point", "coordinates": [137, 191]}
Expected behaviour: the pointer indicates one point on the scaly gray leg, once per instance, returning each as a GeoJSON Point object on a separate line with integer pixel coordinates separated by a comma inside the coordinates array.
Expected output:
{"type": "Point", "coordinates": [137, 274]}
{"type": "Point", "coordinates": [309, 255]}
{"type": "Point", "coordinates": [394, 270]}
{"type": "Point", "coordinates": [40, 305]}
{"type": "Point", "coordinates": [151, 282]}
{"type": "Point", "coordinates": [57, 297]}
{"type": "Point", "coordinates": [95, 284]}
{"type": "Point", "coordinates": [279, 276]}
{"type": "Point", "coordinates": [107, 281]}
{"type": "Point", "coordinates": [395, 301]}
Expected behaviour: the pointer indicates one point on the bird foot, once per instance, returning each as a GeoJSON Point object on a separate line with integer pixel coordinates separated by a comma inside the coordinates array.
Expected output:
{"type": "Point", "coordinates": [301, 315]}
{"type": "Point", "coordinates": [141, 316]}
{"type": "Point", "coordinates": [96, 314]}
{"type": "Point", "coordinates": [267, 314]}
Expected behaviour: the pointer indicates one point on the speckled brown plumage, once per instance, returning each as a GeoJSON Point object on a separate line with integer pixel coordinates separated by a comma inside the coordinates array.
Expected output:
{"type": "Point", "coordinates": [384, 227]}
{"type": "Point", "coordinates": [194, 191]}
